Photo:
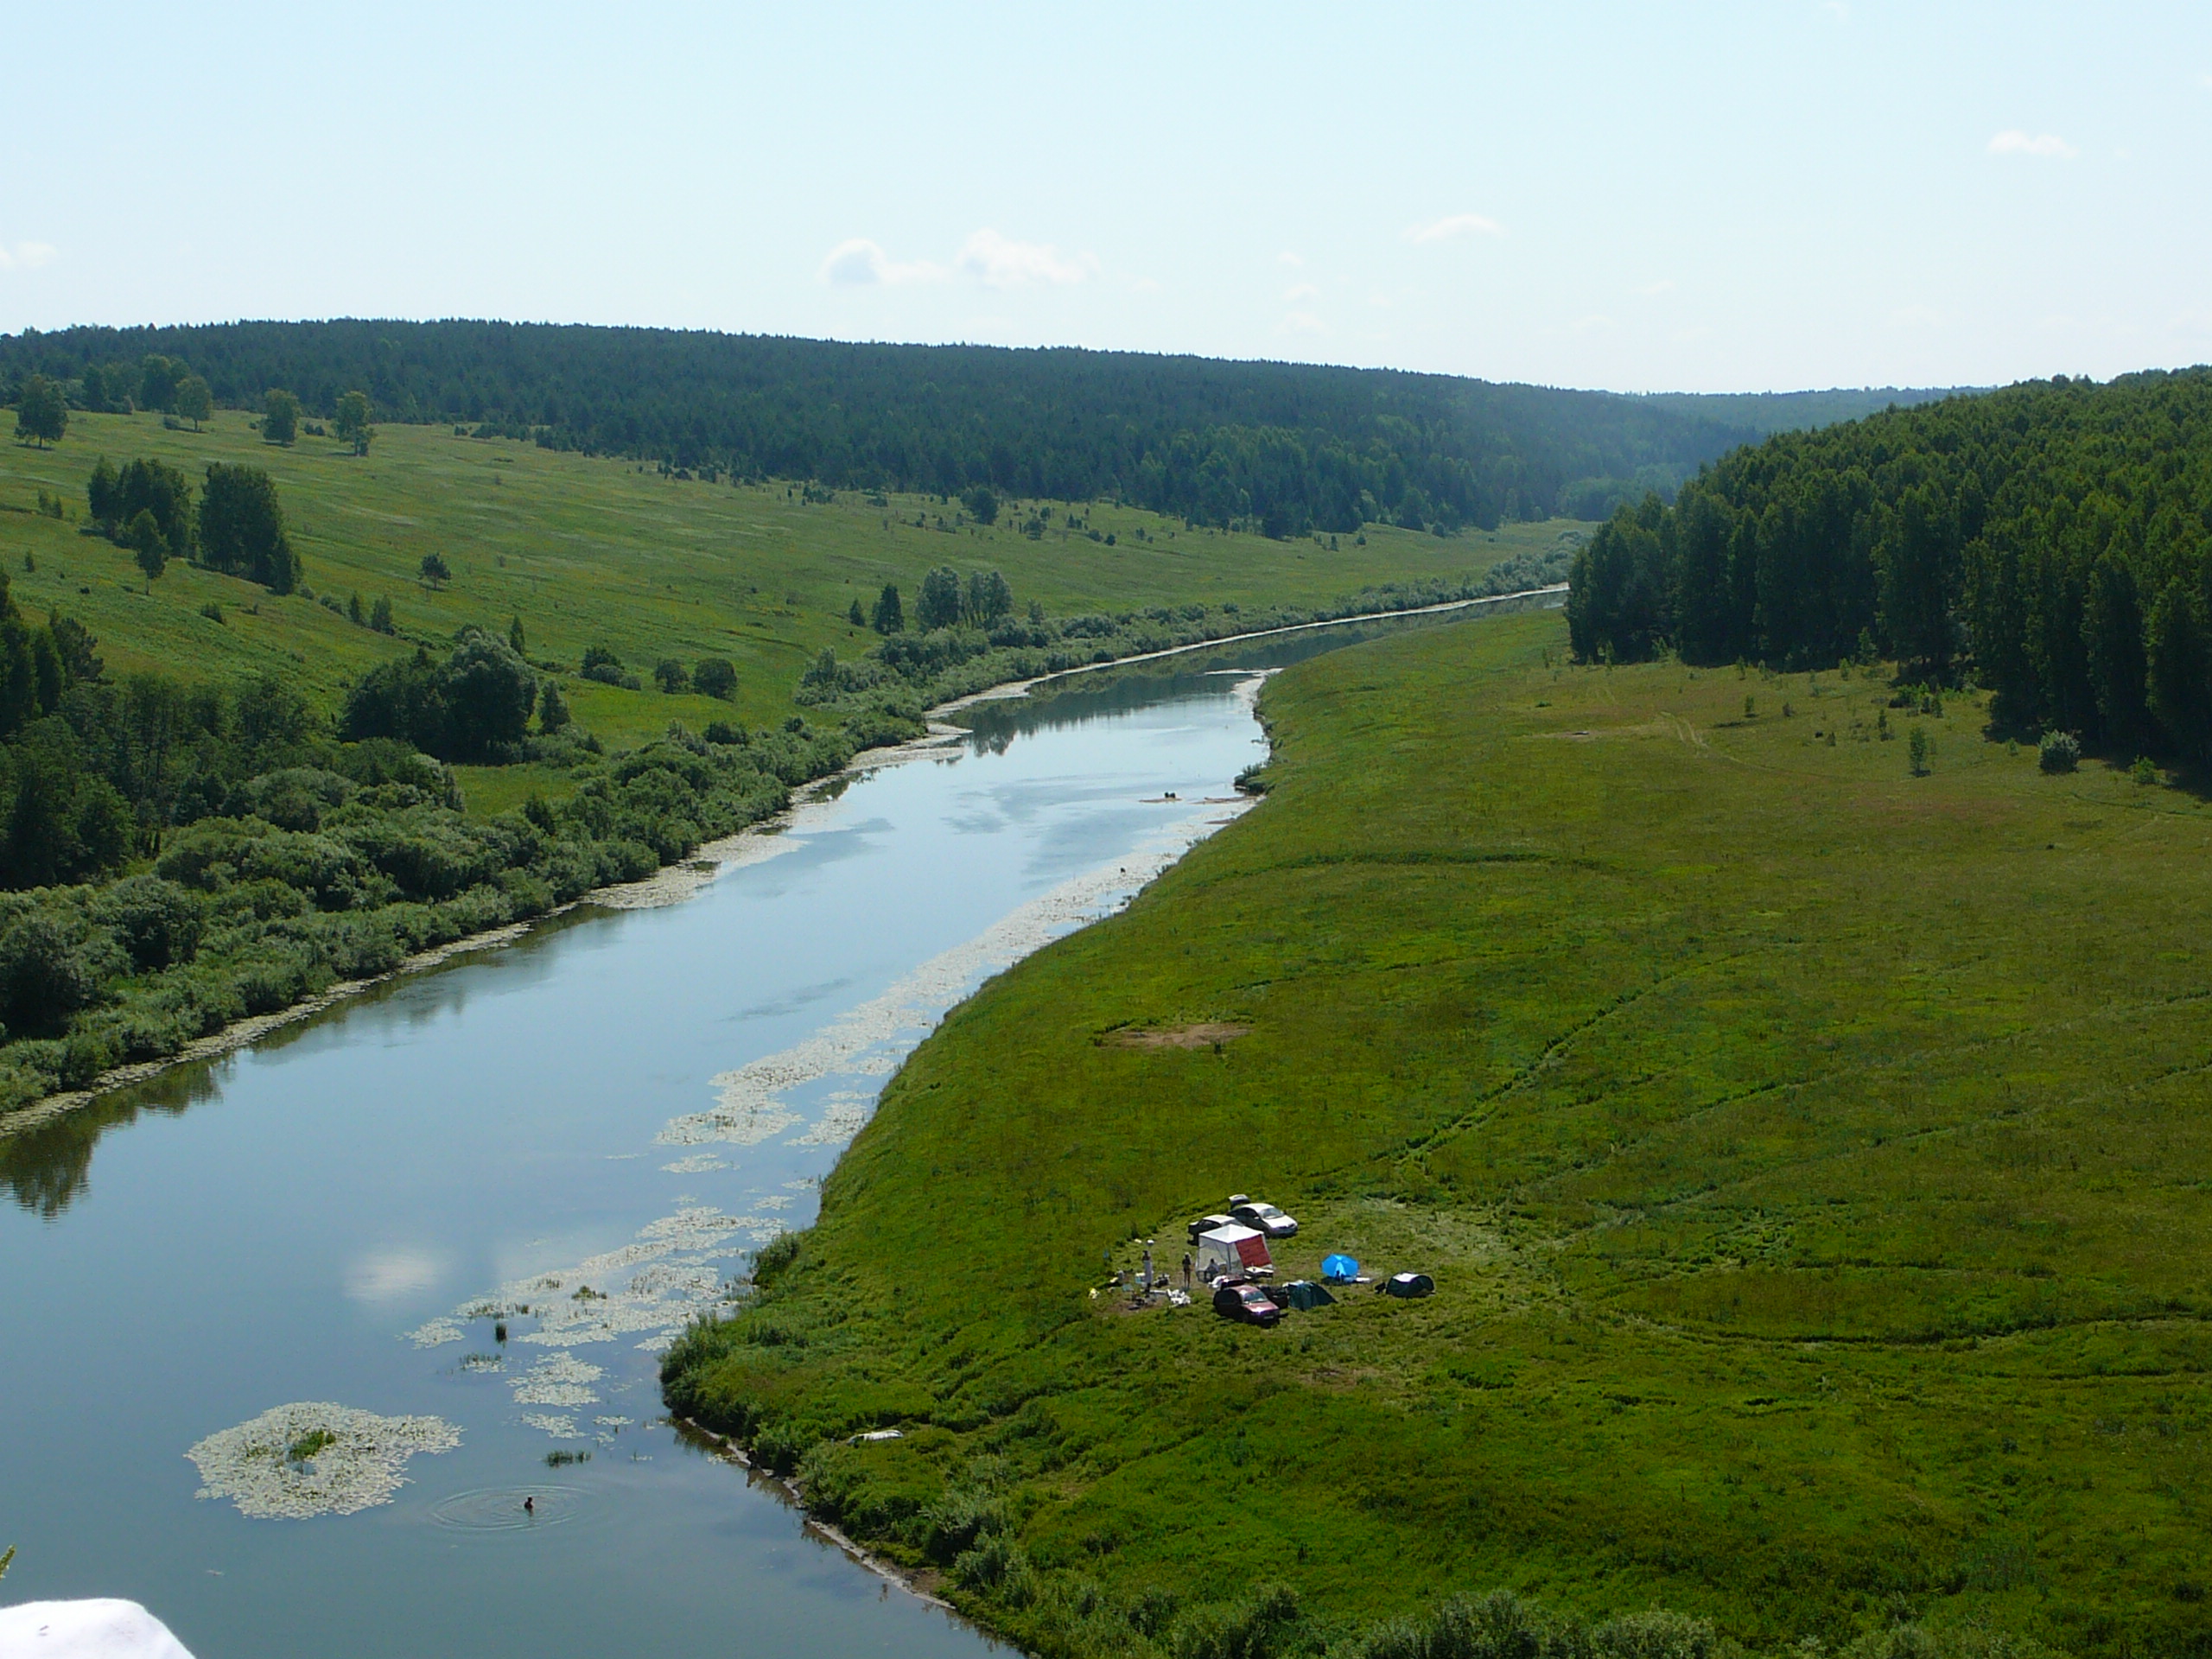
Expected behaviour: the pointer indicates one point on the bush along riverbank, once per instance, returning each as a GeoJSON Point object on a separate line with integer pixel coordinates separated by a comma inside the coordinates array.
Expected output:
{"type": "Point", "coordinates": [340, 869]}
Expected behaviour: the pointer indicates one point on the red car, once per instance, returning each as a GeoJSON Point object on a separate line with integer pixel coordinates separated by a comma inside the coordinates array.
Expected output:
{"type": "Point", "coordinates": [1247, 1304]}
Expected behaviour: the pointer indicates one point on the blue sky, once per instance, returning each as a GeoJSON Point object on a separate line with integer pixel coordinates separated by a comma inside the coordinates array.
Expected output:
{"type": "Point", "coordinates": [1644, 197]}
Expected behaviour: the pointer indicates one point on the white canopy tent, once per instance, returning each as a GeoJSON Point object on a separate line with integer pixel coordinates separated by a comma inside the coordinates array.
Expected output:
{"type": "Point", "coordinates": [1232, 1249]}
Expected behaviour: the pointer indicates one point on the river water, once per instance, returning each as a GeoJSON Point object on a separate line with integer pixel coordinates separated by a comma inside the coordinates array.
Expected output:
{"type": "Point", "coordinates": [598, 1123]}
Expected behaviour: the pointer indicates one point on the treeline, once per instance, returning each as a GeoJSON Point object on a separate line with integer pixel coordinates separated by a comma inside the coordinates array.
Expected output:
{"type": "Point", "coordinates": [2052, 540]}
{"type": "Point", "coordinates": [1276, 447]}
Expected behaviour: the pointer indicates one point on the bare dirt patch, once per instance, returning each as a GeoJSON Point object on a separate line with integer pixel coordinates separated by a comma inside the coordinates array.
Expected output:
{"type": "Point", "coordinates": [1208, 1034]}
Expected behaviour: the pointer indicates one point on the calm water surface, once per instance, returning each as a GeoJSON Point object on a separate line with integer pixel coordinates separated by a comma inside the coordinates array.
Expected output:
{"type": "Point", "coordinates": [628, 1099]}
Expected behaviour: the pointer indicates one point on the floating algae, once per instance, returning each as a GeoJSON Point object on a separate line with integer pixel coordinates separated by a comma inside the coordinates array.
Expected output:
{"type": "Point", "coordinates": [313, 1458]}
{"type": "Point", "coordinates": [558, 1380]}
{"type": "Point", "coordinates": [869, 1041]}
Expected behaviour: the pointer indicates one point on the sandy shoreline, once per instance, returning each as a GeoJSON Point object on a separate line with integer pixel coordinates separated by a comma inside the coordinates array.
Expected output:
{"type": "Point", "coordinates": [680, 880]}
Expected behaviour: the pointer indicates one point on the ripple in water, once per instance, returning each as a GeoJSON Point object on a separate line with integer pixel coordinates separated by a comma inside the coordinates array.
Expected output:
{"type": "Point", "coordinates": [499, 1508]}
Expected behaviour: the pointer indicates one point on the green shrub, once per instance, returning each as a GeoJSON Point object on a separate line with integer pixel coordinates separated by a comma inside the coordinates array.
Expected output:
{"type": "Point", "coordinates": [2059, 751]}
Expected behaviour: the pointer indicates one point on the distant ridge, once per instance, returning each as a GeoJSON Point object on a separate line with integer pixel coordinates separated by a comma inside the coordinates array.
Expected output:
{"type": "Point", "coordinates": [1284, 448]}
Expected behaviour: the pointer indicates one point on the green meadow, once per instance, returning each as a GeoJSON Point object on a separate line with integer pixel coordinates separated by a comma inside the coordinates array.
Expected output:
{"type": "Point", "coordinates": [592, 551]}
{"type": "Point", "coordinates": [1811, 1157]}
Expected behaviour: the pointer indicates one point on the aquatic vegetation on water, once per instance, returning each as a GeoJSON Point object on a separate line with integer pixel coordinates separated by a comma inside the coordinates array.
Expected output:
{"type": "Point", "coordinates": [558, 1380]}
{"type": "Point", "coordinates": [313, 1457]}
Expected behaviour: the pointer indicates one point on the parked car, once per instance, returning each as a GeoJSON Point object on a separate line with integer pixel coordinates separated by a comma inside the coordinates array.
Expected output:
{"type": "Point", "coordinates": [1266, 1218]}
{"type": "Point", "coordinates": [1246, 1304]}
{"type": "Point", "coordinates": [1207, 1223]}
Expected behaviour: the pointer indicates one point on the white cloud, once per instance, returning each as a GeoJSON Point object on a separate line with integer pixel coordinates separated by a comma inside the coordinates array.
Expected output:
{"type": "Point", "coordinates": [997, 261]}
{"type": "Point", "coordinates": [1303, 291]}
{"type": "Point", "coordinates": [860, 262]}
{"type": "Point", "coordinates": [1286, 258]}
{"type": "Point", "coordinates": [1452, 224]}
{"type": "Point", "coordinates": [1304, 322]}
{"type": "Point", "coordinates": [26, 255]}
{"type": "Point", "coordinates": [2013, 142]}
{"type": "Point", "coordinates": [1653, 290]}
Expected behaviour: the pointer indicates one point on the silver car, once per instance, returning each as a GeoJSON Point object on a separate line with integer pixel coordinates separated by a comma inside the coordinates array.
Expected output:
{"type": "Point", "coordinates": [1265, 1218]}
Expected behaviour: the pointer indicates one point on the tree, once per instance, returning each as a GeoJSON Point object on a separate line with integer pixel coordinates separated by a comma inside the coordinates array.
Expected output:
{"type": "Point", "coordinates": [380, 617]}
{"type": "Point", "coordinates": [982, 503]}
{"type": "Point", "coordinates": [100, 497]}
{"type": "Point", "coordinates": [436, 571]}
{"type": "Point", "coordinates": [280, 417]}
{"type": "Point", "coordinates": [668, 675]}
{"type": "Point", "coordinates": [552, 708]}
{"type": "Point", "coordinates": [1918, 748]}
{"type": "Point", "coordinates": [352, 422]}
{"type": "Point", "coordinates": [890, 615]}
{"type": "Point", "coordinates": [42, 411]}
{"type": "Point", "coordinates": [473, 706]}
{"type": "Point", "coordinates": [242, 528]}
{"type": "Point", "coordinates": [353, 611]}
{"type": "Point", "coordinates": [193, 400]}
{"type": "Point", "coordinates": [516, 637]}
{"type": "Point", "coordinates": [147, 484]}
{"type": "Point", "coordinates": [990, 599]}
{"type": "Point", "coordinates": [855, 615]}
{"type": "Point", "coordinates": [939, 604]}
{"type": "Point", "coordinates": [143, 535]}
{"type": "Point", "coordinates": [158, 378]}
{"type": "Point", "coordinates": [716, 676]}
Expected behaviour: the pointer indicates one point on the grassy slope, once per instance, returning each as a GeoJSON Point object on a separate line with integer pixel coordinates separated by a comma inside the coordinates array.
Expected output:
{"type": "Point", "coordinates": [1810, 1157]}
{"type": "Point", "coordinates": [596, 552]}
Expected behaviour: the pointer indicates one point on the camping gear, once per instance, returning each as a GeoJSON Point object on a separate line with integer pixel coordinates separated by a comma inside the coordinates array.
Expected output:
{"type": "Point", "coordinates": [1408, 1285]}
{"type": "Point", "coordinates": [1232, 1249]}
{"type": "Point", "coordinates": [1303, 1293]}
{"type": "Point", "coordinates": [1339, 1269]}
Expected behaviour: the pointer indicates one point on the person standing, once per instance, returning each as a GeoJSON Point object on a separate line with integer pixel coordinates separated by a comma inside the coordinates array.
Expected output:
{"type": "Point", "coordinates": [1186, 1270]}
{"type": "Point", "coordinates": [1148, 1269]}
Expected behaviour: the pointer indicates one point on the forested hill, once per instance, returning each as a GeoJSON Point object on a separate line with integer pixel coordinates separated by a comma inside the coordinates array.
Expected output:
{"type": "Point", "coordinates": [2053, 538]}
{"type": "Point", "coordinates": [1769, 412]}
{"type": "Point", "coordinates": [1281, 447]}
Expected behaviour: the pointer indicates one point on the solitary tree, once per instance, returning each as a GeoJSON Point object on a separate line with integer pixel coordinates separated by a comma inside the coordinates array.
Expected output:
{"type": "Point", "coordinates": [982, 503]}
{"type": "Point", "coordinates": [670, 676]}
{"type": "Point", "coordinates": [42, 412]}
{"type": "Point", "coordinates": [352, 422]}
{"type": "Point", "coordinates": [380, 617]}
{"type": "Point", "coordinates": [890, 614]}
{"type": "Point", "coordinates": [855, 615]}
{"type": "Point", "coordinates": [280, 417]}
{"type": "Point", "coordinates": [143, 536]}
{"type": "Point", "coordinates": [1918, 749]}
{"type": "Point", "coordinates": [354, 613]}
{"type": "Point", "coordinates": [716, 676]}
{"type": "Point", "coordinates": [436, 571]}
{"type": "Point", "coordinates": [193, 400]}
{"type": "Point", "coordinates": [516, 637]}
{"type": "Point", "coordinates": [552, 708]}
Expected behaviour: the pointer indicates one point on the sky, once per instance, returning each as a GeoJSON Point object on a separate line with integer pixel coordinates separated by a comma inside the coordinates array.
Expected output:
{"type": "Point", "coordinates": [1639, 197]}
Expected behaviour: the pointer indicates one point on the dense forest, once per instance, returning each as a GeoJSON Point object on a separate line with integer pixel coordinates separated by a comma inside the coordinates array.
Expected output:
{"type": "Point", "coordinates": [2053, 540]}
{"type": "Point", "coordinates": [1279, 446]}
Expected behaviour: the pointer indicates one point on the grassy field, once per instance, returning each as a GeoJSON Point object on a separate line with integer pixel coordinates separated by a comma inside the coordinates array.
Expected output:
{"type": "Point", "coordinates": [590, 551]}
{"type": "Point", "coordinates": [1811, 1158]}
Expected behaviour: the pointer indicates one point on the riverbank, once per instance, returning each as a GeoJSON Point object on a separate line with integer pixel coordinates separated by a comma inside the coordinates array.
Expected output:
{"type": "Point", "coordinates": [1801, 1147]}
{"type": "Point", "coordinates": [674, 881]}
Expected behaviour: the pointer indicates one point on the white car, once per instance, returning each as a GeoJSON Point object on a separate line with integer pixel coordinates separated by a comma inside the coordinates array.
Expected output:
{"type": "Point", "coordinates": [1264, 1217]}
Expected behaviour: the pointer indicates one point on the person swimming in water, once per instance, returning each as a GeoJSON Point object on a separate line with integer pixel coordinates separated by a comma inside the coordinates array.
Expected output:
{"type": "Point", "coordinates": [530, 1506]}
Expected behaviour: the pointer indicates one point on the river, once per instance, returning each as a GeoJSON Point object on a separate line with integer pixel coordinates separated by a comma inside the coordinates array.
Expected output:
{"type": "Point", "coordinates": [598, 1121]}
